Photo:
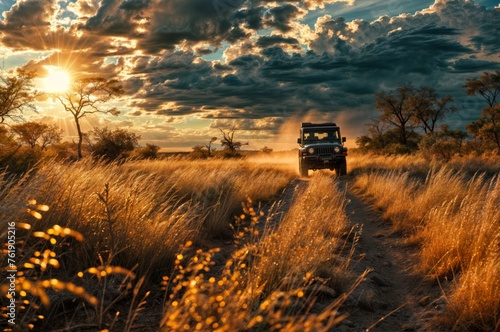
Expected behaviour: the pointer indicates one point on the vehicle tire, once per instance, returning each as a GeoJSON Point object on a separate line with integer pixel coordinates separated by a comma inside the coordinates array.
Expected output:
{"type": "Point", "coordinates": [341, 170]}
{"type": "Point", "coordinates": [303, 170]}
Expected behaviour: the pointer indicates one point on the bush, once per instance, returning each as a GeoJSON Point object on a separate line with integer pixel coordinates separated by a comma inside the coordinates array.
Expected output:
{"type": "Point", "coordinates": [150, 151]}
{"type": "Point", "coordinates": [113, 145]}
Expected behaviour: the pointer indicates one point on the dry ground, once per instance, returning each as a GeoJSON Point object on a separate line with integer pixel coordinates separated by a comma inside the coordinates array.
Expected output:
{"type": "Point", "coordinates": [392, 297]}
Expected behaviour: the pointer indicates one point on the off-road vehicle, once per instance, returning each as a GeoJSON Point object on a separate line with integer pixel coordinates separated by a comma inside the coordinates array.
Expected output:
{"type": "Point", "coordinates": [321, 147]}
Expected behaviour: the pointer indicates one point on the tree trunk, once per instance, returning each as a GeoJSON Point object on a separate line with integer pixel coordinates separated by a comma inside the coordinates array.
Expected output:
{"type": "Point", "coordinates": [80, 138]}
{"type": "Point", "coordinates": [404, 139]}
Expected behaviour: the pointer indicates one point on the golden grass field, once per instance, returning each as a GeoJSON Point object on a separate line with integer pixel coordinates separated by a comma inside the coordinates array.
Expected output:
{"type": "Point", "coordinates": [453, 215]}
{"type": "Point", "coordinates": [180, 245]}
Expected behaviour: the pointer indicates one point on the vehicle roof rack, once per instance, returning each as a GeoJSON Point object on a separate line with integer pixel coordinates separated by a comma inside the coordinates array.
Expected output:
{"type": "Point", "coordinates": [327, 124]}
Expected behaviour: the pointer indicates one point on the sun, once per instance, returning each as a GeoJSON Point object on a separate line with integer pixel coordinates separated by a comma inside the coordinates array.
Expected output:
{"type": "Point", "coordinates": [58, 80]}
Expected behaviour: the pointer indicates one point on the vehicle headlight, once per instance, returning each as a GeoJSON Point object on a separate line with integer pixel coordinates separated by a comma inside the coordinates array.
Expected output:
{"type": "Point", "coordinates": [310, 150]}
{"type": "Point", "coordinates": [337, 149]}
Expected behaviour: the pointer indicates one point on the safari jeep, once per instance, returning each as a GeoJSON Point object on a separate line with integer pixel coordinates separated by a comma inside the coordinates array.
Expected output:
{"type": "Point", "coordinates": [321, 147]}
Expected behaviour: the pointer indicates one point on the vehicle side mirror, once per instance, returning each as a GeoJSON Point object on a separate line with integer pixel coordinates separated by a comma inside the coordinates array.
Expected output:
{"type": "Point", "coordinates": [298, 140]}
{"type": "Point", "coordinates": [343, 139]}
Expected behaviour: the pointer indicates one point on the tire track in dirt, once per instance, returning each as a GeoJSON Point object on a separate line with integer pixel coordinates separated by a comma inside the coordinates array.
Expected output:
{"type": "Point", "coordinates": [392, 297]}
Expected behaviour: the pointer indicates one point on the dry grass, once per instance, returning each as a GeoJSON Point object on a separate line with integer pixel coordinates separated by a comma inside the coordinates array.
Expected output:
{"type": "Point", "coordinates": [268, 284]}
{"type": "Point", "coordinates": [130, 211]}
{"type": "Point", "coordinates": [130, 222]}
{"type": "Point", "coordinates": [384, 188]}
{"type": "Point", "coordinates": [456, 220]}
{"type": "Point", "coordinates": [419, 166]}
{"type": "Point", "coordinates": [362, 163]}
{"type": "Point", "coordinates": [307, 239]}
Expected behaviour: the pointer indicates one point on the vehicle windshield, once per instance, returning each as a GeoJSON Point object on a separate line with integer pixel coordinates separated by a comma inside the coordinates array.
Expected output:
{"type": "Point", "coordinates": [321, 135]}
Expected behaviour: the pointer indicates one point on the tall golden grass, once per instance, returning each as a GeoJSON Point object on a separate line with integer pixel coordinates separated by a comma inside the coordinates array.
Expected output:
{"type": "Point", "coordinates": [269, 284]}
{"type": "Point", "coordinates": [455, 218]}
{"type": "Point", "coordinates": [131, 222]}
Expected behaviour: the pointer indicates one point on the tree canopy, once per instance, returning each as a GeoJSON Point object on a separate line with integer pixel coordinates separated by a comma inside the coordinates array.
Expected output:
{"type": "Point", "coordinates": [487, 86]}
{"type": "Point", "coordinates": [34, 133]}
{"type": "Point", "coordinates": [17, 94]}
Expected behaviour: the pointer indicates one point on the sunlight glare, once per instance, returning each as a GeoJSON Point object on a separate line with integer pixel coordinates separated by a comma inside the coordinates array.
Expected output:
{"type": "Point", "coordinates": [58, 80]}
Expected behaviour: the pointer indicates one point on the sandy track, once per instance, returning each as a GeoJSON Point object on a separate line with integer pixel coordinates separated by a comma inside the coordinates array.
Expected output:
{"type": "Point", "coordinates": [392, 297]}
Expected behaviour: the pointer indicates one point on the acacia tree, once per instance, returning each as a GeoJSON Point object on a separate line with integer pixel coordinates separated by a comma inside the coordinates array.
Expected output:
{"type": "Point", "coordinates": [17, 94]}
{"type": "Point", "coordinates": [429, 108]}
{"type": "Point", "coordinates": [404, 110]}
{"type": "Point", "coordinates": [396, 109]}
{"type": "Point", "coordinates": [487, 86]}
{"type": "Point", "coordinates": [87, 96]}
{"type": "Point", "coordinates": [34, 133]}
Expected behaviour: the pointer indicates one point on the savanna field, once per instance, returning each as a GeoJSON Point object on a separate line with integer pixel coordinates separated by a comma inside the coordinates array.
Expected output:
{"type": "Point", "coordinates": [223, 245]}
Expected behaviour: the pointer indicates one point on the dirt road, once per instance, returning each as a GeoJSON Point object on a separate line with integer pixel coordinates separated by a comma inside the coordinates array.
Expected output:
{"type": "Point", "coordinates": [392, 296]}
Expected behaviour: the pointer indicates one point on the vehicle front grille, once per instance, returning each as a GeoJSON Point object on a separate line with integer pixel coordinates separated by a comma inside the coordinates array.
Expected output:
{"type": "Point", "coordinates": [324, 150]}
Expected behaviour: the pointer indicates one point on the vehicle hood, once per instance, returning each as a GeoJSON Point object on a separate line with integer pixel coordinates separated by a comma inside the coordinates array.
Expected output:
{"type": "Point", "coordinates": [325, 144]}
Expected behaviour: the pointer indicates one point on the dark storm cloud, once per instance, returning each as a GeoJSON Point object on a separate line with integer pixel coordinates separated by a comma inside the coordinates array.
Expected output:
{"type": "Point", "coordinates": [191, 21]}
{"type": "Point", "coordinates": [347, 63]}
{"type": "Point", "coordinates": [251, 18]}
{"type": "Point", "coordinates": [423, 51]}
{"type": "Point", "coordinates": [180, 111]}
{"type": "Point", "coordinates": [26, 23]}
{"type": "Point", "coordinates": [161, 25]}
{"type": "Point", "coordinates": [274, 65]}
{"type": "Point", "coordinates": [135, 5]}
{"type": "Point", "coordinates": [271, 124]}
{"type": "Point", "coordinates": [281, 17]}
{"type": "Point", "coordinates": [480, 22]}
{"type": "Point", "coordinates": [266, 41]}
{"type": "Point", "coordinates": [30, 13]}
{"type": "Point", "coordinates": [29, 25]}
{"type": "Point", "coordinates": [117, 18]}
{"type": "Point", "coordinates": [474, 65]}
{"type": "Point", "coordinates": [253, 88]}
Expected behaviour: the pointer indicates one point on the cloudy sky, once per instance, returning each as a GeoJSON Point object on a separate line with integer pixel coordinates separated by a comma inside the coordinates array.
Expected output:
{"type": "Point", "coordinates": [260, 66]}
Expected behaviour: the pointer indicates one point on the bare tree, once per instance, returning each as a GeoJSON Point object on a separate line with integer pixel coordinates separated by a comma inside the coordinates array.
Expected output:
{"type": "Point", "coordinates": [86, 97]}
{"type": "Point", "coordinates": [17, 94]}
{"type": "Point", "coordinates": [228, 142]}
{"type": "Point", "coordinates": [377, 131]}
{"type": "Point", "coordinates": [209, 146]}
